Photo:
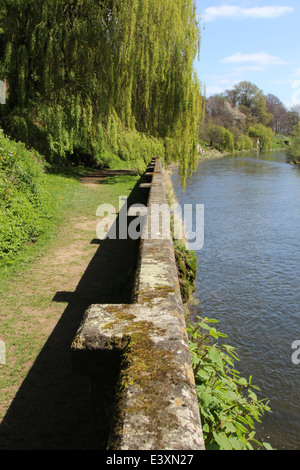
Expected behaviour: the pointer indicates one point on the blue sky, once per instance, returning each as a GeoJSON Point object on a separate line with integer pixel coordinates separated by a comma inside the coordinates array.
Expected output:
{"type": "Point", "coordinates": [257, 41]}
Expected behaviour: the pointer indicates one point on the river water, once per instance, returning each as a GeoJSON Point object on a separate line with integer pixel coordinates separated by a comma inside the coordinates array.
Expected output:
{"type": "Point", "coordinates": [249, 274]}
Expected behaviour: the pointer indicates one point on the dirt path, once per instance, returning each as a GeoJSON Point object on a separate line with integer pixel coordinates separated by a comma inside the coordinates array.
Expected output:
{"type": "Point", "coordinates": [49, 408]}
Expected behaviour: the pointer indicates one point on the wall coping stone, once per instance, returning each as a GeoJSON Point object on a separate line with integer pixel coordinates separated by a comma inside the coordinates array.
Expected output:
{"type": "Point", "coordinates": [156, 405]}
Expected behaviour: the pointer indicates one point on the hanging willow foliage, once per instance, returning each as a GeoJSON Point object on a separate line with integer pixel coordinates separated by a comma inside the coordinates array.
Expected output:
{"type": "Point", "coordinates": [74, 65]}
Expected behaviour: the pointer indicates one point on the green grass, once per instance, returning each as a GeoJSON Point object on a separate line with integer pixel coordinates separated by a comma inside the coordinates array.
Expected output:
{"type": "Point", "coordinates": [68, 199]}
{"type": "Point", "coordinates": [279, 142]}
{"type": "Point", "coordinates": [27, 284]}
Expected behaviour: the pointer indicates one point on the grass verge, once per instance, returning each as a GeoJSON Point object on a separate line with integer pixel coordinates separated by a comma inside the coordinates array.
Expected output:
{"type": "Point", "coordinates": [55, 262]}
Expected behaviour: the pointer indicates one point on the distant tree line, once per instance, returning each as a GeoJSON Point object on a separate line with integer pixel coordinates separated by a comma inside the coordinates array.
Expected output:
{"type": "Point", "coordinates": [235, 119]}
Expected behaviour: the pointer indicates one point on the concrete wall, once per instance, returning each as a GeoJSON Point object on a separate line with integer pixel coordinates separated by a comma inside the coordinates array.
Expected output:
{"type": "Point", "coordinates": [136, 356]}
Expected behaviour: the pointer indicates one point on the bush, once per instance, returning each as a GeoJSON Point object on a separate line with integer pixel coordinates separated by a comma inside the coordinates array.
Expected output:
{"type": "Point", "coordinates": [243, 142]}
{"type": "Point", "coordinates": [119, 145]}
{"type": "Point", "coordinates": [221, 138]}
{"type": "Point", "coordinates": [228, 141]}
{"type": "Point", "coordinates": [280, 142]}
{"type": "Point", "coordinates": [265, 134]}
{"type": "Point", "coordinates": [139, 148]}
{"type": "Point", "coordinates": [294, 148]}
{"type": "Point", "coordinates": [24, 202]}
{"type": "Point", "coordinates": [228, 403]}
{"type": "Point", "coordinates": [66, 136]}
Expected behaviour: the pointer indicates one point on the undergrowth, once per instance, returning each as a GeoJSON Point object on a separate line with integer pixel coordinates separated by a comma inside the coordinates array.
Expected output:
{"type": "Point", "coordinates": [24, 201]}
{"type": "Point", "coordinates": [36, 198]}
{"type": "Point", "coordinates": [228, 403]}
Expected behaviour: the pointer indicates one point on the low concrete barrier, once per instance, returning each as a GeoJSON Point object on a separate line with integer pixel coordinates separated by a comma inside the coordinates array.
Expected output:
{"type": "Point", "coordinates": [137, 357]}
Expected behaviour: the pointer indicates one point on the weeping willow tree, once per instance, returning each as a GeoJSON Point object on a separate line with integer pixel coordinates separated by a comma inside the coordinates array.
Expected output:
{"type": "Point", "coordinates": [79, 70]}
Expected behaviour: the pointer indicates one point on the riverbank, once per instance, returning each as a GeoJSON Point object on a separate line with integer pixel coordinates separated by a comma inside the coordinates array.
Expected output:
{"type": "Point", "coordinates": [186, 260]}
{"type": "Point", "coordinates": [214, 154]}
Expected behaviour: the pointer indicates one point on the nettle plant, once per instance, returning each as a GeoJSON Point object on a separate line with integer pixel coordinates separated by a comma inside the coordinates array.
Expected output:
{"type": "Point", "coordinates": [228, 403]}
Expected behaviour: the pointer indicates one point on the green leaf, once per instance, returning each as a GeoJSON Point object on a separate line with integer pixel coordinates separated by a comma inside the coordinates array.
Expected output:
{"type": "Point", "coordinates": [246, 420]}
{"type": "Point", "coordinates": [205, 428]}
{"type": "Point", "coordinates": [214, 355]}
{"type": "Point", "coordinates": [202, 374]}
{"type": "Point", "coordinates": [243, 381]}
{"type": "Point", "coordinates": [267, 446]}
{"type": "Point", "coordinates": [222, 440]}
{"type": "Point", "coordinates": [205, 399]}
{"type": "Point", "coordinates": [255, 441]}
{"type": "Point", "coordinates": [213, 332]}
{"type": "Point", "coordinates": [236, 443]}
{"type": "Point", "coordinates": [230, 427]}
{"type": "Point", "coordinates": [229, 395]}
{"type": "Point", "coordinates": [204, 326]}
{"type": "Point", "coordinates": [252, 395]}
{"type": "Point", "coordinates": [241, 427]}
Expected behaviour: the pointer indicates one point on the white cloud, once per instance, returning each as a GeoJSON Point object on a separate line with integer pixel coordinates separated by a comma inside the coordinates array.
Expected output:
{"type": "Point", "coordinates": [295, 98]}
{"type": "Point", "coordinates": [294, 84]}
{"type": "Point", "coordinates": [220, 83]}
{"type": "Point", "coordinates": [261, 59]}
{"type": "Point", "coordinates": [232, 11]}
{"type": "Point", "coordinates": [296, 74]}
{"type": "Point", "coordinates": [249, 68]}
{"type": "Point", "coordinates": [213, 90]}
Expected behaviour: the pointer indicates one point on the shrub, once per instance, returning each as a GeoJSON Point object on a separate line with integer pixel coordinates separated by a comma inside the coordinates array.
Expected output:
{"type": "Point", "coordinates": [243, 142]}
{"type": "Point", "coordinates": [228, 141]}
{"type": "Point", "coordinates": [265, 134]}
{"type": "Point", "coordinates": [294, 148]}
{"type": "Point", "coordinates": [228, 403]}
{"type": "Point", "coordinates": [120, 144]}
{"type": "Point", "coordinates": [23, 200]}
{"type": "Point", "coordinates": [221, 138]}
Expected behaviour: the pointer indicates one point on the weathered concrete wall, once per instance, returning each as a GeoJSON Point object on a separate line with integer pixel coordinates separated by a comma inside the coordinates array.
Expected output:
{"type": "Point", "coordinates": [139, 354]}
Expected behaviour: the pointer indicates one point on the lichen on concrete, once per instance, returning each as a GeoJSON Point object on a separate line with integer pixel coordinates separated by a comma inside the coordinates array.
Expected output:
{"type": "Point", "coordinates": [155, 404]}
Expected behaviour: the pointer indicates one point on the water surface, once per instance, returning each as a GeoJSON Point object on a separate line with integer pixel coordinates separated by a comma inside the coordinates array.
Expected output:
{"type": "Point", "coordinates": [249, 274]}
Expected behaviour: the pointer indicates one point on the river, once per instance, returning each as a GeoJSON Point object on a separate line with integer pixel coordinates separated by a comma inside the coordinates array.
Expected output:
{"type": "Point", "coordinates": [249, 274]}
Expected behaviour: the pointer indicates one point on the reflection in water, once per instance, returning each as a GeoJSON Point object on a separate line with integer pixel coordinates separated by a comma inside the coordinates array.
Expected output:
{"type": "Point", "coordinates": [249, 271]}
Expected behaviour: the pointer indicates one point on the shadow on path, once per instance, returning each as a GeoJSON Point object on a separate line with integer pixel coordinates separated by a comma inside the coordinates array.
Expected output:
{"type": "Point", "coordinates": [51, 409]}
